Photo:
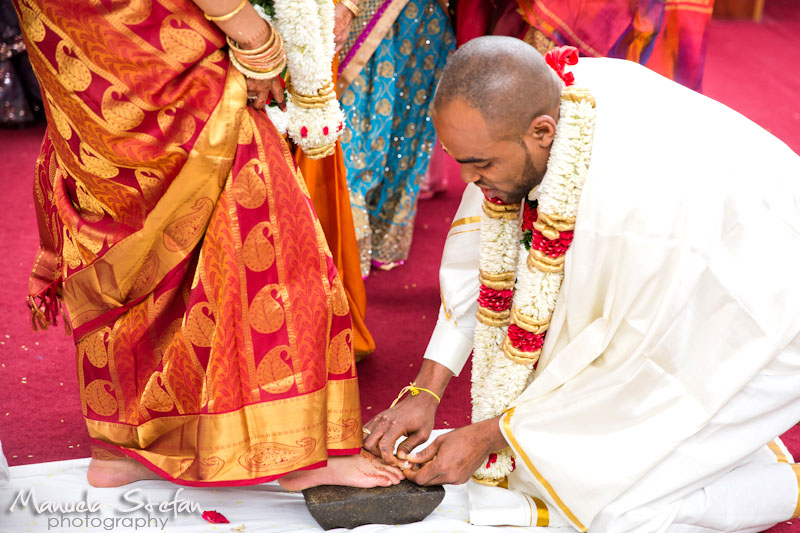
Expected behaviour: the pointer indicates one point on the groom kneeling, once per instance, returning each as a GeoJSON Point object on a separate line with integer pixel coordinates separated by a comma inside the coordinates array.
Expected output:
{"type": "Point", "coordinates": [631, 300]}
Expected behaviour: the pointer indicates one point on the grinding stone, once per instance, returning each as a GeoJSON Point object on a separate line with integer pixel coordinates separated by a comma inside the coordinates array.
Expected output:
{"type": "Point", "coordinates": [334, 506]}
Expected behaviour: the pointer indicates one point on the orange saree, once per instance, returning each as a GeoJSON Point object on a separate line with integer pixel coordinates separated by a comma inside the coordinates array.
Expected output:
{"type": "Point", "coordinates": [214, 343]}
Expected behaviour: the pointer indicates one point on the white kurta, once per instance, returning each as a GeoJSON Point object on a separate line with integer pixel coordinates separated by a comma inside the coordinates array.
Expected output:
{"type": "Point", "coordinates": [673, 353]}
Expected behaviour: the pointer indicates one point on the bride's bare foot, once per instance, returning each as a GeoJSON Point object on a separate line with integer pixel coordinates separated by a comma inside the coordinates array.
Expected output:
{"type": "Point", "coordinates": [117, 472]}
{"type": "Point", "coordinates": [363, 470]}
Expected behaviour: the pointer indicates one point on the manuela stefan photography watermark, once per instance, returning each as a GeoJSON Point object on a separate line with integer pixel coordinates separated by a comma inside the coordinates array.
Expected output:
{"type": "Point", "coordinates": [134, 511]}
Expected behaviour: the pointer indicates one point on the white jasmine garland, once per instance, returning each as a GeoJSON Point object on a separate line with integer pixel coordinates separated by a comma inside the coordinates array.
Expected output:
{"type": "Point", "coordinates": [497, 380]}
{"type": "Point", "coordinates": [306, 27]}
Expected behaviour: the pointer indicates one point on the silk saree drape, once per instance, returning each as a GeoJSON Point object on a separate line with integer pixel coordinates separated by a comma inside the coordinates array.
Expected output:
{"type": "Point", "coordinates": [326, 180]}
{"type": "Point", "coordinates": [213, 337]}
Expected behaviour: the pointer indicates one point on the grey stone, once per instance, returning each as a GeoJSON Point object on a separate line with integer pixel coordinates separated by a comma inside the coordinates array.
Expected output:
{"type": "Point", "coordinates": [333, 506]}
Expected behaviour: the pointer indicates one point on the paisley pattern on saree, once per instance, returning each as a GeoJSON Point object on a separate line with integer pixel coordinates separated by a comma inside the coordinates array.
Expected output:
{"type": "Point", "coordinates": [193, 267]}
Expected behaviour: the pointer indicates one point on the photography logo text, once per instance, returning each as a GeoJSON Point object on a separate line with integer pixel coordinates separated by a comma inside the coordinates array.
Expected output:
{"type": "Point", "coordinates": [135, 511]}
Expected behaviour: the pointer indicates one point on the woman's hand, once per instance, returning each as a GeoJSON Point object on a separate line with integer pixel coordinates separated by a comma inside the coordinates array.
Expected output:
{"type": "Point", "coordinates": [261, 92]}
{"type": "Point", "coordinates": [341, 28]}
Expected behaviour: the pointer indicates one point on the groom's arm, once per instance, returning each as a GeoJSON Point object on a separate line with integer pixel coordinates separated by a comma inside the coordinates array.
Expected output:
{"type": "Point", "coordinates": [450, 343]}
{"type": "Point", "coordinates": [412, 417]}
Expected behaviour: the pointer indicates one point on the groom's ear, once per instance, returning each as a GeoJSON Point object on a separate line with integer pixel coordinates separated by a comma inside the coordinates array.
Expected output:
{"type": "Point", "coordinates": [542, 130]}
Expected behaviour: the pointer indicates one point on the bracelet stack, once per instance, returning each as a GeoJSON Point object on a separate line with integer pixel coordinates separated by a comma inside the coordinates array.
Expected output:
{"type": "Point", "coordinates": [262, 63]}
{"type": "Point", "coordinates": [351, 6]}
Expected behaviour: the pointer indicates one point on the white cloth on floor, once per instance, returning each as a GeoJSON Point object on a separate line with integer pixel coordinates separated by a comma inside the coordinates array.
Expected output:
{"type": "Point", "coordinates": [674, 350]}
{"type": "Point", "coordinates": [5, 473]}
{"type": "Point", "coordinates": [259, 508]}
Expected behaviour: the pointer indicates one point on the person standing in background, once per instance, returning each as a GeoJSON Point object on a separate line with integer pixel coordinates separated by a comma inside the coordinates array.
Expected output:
{"type": "Point", "coordinates": [20, 99]}
{"type": "Point", "coordinates": [388, 71]}
{"type": "Point", "coordinates": [668, 37]}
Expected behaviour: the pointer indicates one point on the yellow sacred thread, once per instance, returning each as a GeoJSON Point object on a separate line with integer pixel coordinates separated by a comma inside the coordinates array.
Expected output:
{"type": "Point", "coordinates": [414, 390]}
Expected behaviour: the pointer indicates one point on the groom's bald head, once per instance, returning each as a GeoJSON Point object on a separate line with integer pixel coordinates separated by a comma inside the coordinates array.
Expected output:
{"type": "Point", "coordinates": [495, 112]}
{"type": "Point", "coordinates": [504, 78]}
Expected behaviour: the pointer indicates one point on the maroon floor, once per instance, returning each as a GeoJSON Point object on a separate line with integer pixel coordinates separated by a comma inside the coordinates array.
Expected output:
{"type": "Point", "coordinates": [750, 67]}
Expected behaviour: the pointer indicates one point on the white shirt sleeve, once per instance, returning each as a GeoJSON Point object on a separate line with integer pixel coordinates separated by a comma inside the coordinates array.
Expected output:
{"type": "Point", "coordinates": [451, 341]}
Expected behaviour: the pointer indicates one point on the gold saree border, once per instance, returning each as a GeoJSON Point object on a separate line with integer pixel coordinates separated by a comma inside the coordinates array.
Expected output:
{"type": "Point", "coordinates": [231, 438]}
{"type": "Point", "coordinates": [796, 469]}
{"type": "Point", "coordinates": [368, 47]}
{"type": "Point", "coordinates": [107, 283]}
{"type": "Point", "coordinates": [512, 440]}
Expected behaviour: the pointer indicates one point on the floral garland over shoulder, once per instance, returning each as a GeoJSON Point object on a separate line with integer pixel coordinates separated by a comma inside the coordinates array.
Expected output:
{"type": "Point", "coordinates": [313, 118]}
{"type": "Point", "coordinates": [522, 266]}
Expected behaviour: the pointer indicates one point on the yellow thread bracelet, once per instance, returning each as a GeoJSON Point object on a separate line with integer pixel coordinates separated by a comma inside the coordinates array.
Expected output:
{"type": "Point", "coordinates": [414, 390]}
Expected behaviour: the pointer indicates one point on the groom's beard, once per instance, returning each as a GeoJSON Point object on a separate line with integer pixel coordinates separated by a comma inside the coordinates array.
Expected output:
{"type": "Point", "coordinates": [529, 179]}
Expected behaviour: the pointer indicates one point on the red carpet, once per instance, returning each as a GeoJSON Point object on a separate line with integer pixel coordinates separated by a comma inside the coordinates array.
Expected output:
{"type": "Point", "coordinates": [749, 67]}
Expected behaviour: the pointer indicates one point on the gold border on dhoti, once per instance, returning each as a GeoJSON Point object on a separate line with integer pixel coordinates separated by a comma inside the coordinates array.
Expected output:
{"type": "Point", "coordinates": [512, 440]}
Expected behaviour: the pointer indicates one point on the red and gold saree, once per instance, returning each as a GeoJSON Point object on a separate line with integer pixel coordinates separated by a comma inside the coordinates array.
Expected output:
{"type": "Point", "coordinates": [214, 343]}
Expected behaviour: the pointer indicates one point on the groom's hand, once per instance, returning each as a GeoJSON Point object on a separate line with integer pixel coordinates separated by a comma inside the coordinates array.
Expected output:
{"type": "Point", "coordinates": [453, 457]}
{"type": "Point", "coordinates": [411, 418]}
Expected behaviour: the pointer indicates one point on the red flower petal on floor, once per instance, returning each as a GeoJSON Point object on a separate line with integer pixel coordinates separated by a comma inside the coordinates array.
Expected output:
{"type": "Point", "coordinates": [214, 517]}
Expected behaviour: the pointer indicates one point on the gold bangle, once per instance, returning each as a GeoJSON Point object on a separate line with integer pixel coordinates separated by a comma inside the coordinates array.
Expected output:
{"type": "Point", "coordinates": [351, 6]}
{"type": "Point", "coordinates": [251, 51]}
{"type": "Point", "coordinates": [227, 16]}
{"type": "Point", "coordinates": [255, 74]}
{"type": "Point", "coordinates": [414, 390]}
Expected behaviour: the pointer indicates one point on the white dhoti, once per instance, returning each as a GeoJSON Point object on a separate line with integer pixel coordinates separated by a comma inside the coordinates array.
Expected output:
{"type": "Point", "coordinates": [673, 354]}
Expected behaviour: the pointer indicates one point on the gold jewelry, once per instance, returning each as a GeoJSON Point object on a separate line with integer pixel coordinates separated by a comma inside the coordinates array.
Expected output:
{"type": "Point", "coordinates": [366, 431]}
{"type": "Point", "coordinates": [227, 16]}
{"type": "Point", "coordinates": [256, 74]}
{"type": "Point", "coordinates": [414, 390]}
{"type": "Point", "coordinates": [351, 6]}
{"type": "Point", "coordinates": [262, 63]}
{"type": "Point", "coordinates": [254, 51]}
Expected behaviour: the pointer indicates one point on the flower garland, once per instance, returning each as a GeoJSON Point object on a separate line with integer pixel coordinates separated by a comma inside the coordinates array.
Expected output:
{"type": "Point", "coordinates": [313, 118]}
{"type": "Point", "coordinates": [521, 268]}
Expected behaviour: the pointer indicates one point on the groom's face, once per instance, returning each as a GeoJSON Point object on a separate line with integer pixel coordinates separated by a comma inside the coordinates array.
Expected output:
{"type": "Point", "coordinates": [501, 165]}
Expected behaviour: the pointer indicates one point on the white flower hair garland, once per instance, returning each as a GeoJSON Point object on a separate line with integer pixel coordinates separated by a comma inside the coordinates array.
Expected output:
{"type": "Point", "coordinates": [313, 118]}
{"type": "Point", "coordinates": [521, 269]}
